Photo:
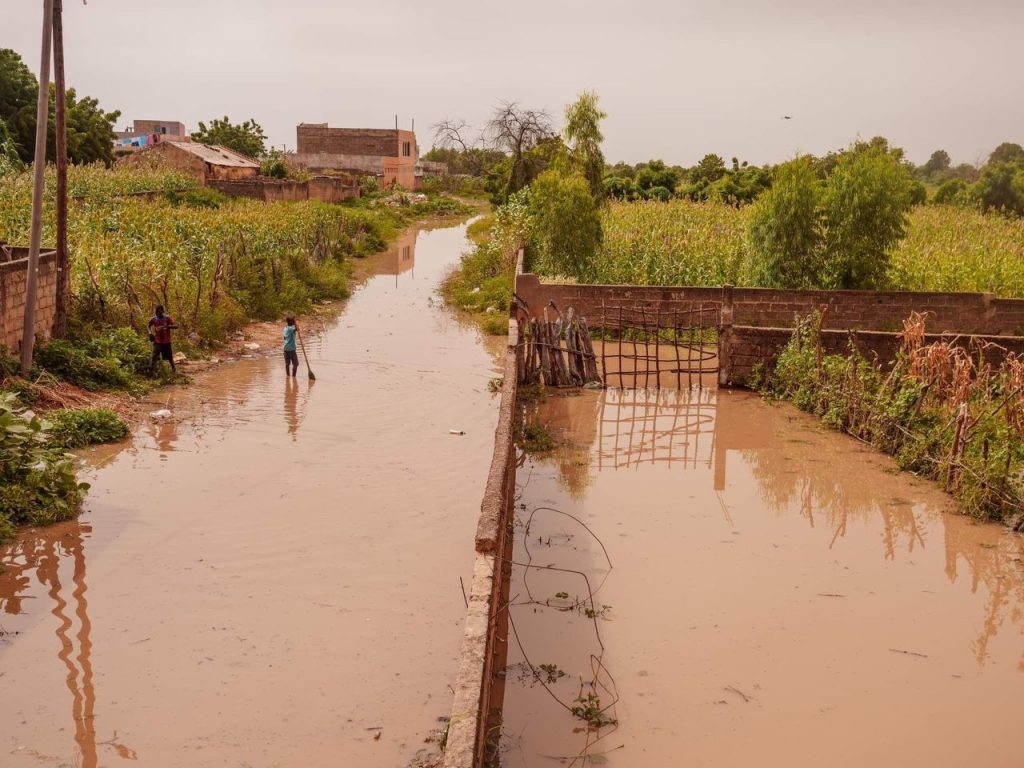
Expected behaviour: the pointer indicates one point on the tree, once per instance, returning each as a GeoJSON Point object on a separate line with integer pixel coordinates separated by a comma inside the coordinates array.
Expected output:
{"type": "Point", "coordinates": [865, 207]}
{"type": "Point", "coordinates": [245, 138]}
{"type": "Point", "coordinates": [786, 228]}
{"type": "Point", "coordinates": [1007, 152]}
{"type": "Point", "coordinates": [939, 161]}
{"type": "Point", "coordinates": [952, 192]}
{"type": "Point", "coordinates": [583, 136]}
{"type": "Point", "coordinates": [710, 169]}
{"type": "Point", "coordinates": [517, 131]}
{"type": "Point", "coordinates": [10, 160]}
{"type": "Point", "coordinates": [90, 128]}
{"type": "Point", "coordinates": [1001, 188]}
{"type": "Point", "coordinates": [656, 174]}
{"type": "Point", "coordinates": [567, 224]}
{"type": "Point", "coordinates": [18, 93]}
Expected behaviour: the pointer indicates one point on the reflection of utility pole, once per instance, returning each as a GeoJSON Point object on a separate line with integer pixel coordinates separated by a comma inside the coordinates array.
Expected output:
{"type": "Point", "coordinates": [83, 695]}
{"type": "Point", "coordinates": [42, 117]}
{"type": "Point", "coordinates": [60, 320]}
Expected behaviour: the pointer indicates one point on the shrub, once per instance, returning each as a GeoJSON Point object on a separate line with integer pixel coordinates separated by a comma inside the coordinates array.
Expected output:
{"type": "Point", "coordinates": [567, 225]}
{"type": "Point", "coordinates": [1001, 187]}
{"type": "Point", "coordinates": [866, 201]}
{"type": "Point", "coordinates": [786, 228]}
{"type": "Point", "coordinates": [661, 194]}
{"type": "Point", "coordinates": [203, 197]}
{"type": "Point", "coordinates": [82, 368]}
{"type": "Point", "coordinates": [951, 192]}
{"type": "Point", "coordinates": [37, 482]}
{"type": "Point", "coordinates": [78, 427]}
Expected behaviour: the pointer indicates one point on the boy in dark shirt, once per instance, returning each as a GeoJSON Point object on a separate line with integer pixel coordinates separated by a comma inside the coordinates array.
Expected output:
{"type": "Point", "coordinates": [160, 327]}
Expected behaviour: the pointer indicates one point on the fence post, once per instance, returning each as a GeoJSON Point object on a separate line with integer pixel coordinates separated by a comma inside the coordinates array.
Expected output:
{"type": "Point", "coordinates": [726, 340]}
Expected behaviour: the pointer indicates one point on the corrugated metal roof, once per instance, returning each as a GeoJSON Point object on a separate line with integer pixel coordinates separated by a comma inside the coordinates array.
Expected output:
{"type": "Point", "coordinates": [214, 154]}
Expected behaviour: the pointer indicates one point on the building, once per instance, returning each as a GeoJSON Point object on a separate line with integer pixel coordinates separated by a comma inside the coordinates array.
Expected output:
{"type": "Point", "coordinates": [146, 133]}
{"type": "Point", "coordinates": [390, 154]}
{"type": "Point", "coordinates": [205, 162]}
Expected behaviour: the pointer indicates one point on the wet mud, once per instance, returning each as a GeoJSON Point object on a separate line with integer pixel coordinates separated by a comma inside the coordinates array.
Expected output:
{"type": "Point", "coordinates": [270, 577]}
{"type": "Point", "coordinates": [712, 580]}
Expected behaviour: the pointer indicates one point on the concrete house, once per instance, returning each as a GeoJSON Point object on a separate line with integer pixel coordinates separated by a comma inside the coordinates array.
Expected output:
{"type": "Point", "coordinates": [205, 162]}
{"type": "Point", "coordinates": [390, 154]}
{"type": "Point", "coordinates": [146, 133]}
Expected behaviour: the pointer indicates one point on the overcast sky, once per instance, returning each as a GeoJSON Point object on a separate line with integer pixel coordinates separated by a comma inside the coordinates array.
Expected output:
{"type": "Point", "coordinates": [678, 78]}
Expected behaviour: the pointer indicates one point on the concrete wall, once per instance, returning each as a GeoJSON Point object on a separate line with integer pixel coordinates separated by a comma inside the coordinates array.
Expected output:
{"type": "Point", "coordinates": [379, 152]}
{"type": "Point", "coordinates": [13, 277]}
{"type": "Point", "coordinates": [323, 188]}
{"type": "Point", "coordinates": [978, 313]}
{"type": "Point", "coordinates": [476, 706]}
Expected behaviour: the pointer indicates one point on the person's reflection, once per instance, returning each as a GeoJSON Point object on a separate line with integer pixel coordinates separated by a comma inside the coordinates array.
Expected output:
{"type": "Point", "coordinates": [291, 406]}
{"type": "Point", "coordinates": [164, 433]}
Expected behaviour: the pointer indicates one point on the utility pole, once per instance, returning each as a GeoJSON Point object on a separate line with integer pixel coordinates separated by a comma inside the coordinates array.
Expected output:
{"type": "Point", "coordinates": [39, 166]}
{"type": "Point", "coordinates": [60, 320]}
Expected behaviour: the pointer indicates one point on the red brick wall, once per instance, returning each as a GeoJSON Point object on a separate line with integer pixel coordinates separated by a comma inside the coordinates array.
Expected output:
{"type": "Point", "coordinates": [748, 346]}
{"type": "Point", "coordinates": [977, 313]}
{"type": "Point", "coordinates": [13, 277]}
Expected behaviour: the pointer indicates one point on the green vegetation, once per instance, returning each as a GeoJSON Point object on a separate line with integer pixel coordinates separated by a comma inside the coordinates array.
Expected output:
{"type": "Point", "coordinates": [78, 427]}
{"type": "Point", "coordinates": [90, 129]}
{"type": "Point", "coordinates": [936, 410]}
{"type": "Point", "coordinates": [37, 480]}
{"type": "Point", "coordinates": [246, 138]}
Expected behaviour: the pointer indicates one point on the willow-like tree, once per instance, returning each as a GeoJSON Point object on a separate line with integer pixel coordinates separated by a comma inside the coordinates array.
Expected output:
{"type": "Point", "coordinates": [583, 136]}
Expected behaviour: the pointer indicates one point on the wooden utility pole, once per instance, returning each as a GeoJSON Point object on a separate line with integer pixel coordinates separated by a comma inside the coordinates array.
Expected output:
{"type": "Point", "coordinates": [60, 320]}
{"type": "Point", "coordinates": [39, 167]}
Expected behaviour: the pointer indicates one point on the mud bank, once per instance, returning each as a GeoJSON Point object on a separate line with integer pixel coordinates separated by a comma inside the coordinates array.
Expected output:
{"type": "Point", "coordinates": [736, 585]}
{"type": "Point", "coordinates": [272, 577]}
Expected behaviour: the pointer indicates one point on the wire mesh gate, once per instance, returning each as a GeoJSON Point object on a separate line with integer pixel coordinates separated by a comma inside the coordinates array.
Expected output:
{"type": "Point", "coordinates": [631, 347]}
{"type": "Point", "coordinates": [644, 347]}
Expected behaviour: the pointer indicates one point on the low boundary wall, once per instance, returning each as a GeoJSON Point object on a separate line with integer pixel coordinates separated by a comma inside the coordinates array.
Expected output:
{"type": "Point", "coordinates": [971, 313]}
{"type": "Point", "coordinates": [13, 279]}
{"type": "Point", "coordinates": [479, 693]}
{"type": "Point", "coordinates": [327, 189]}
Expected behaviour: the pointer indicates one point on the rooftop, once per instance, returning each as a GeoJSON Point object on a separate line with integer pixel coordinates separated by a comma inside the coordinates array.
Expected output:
{"type": "Point", "coordinates": [215, 154]}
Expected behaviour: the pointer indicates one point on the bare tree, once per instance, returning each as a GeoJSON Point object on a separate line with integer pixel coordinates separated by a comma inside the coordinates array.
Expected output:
{"type": "Point", "coordinates": [454, 134]}
{"type": "Point", "coordinates": [516, 130]}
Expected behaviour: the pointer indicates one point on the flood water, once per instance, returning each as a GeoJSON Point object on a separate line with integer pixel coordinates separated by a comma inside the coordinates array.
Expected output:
{"type": "Point", "coordinates": [736, 585]}
{"type": "Point", "coordinates": [271, 579]}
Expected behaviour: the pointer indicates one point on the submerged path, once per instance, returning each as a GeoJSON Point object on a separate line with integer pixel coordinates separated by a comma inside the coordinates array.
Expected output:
{"type": "Point", "coordinates": [275, 577]}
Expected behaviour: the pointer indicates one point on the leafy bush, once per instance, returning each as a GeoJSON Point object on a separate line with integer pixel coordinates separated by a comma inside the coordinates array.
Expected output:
{"type": "Point", "coordinates": [566, 225]}
{"type": "Point", "coordinates": [78, 427]}
{"type": "Point", "coordinates": [77, 365]}
{"type": "Point", "coordinates": [203, 197]}
{"type": "Point", "coordinates": [951, 192]}
{"type": "Point", "coordinates": [37, 482]}
{"type": "Point", "coordinates": [661, 194]}
{"type": "Point", "coordinates": [786, 228]}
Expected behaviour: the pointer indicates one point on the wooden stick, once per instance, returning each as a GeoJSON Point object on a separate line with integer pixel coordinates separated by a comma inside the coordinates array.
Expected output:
{"type": "Point", "coordinates": [303, 347]}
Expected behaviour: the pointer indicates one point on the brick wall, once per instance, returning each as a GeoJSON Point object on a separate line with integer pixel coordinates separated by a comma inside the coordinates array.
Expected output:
{"type": "Point", "coordinates": [977, 313]}
{"type": "Point", "coordinates": [313, 139]}
{"type": "Point", "coordinates": [13, 276]}
{"type": "Point", "coordinates": [748, 346]}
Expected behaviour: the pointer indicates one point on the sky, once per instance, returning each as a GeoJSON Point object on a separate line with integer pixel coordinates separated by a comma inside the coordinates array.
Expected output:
{"type": "Point", "coordinates": [678, 78]}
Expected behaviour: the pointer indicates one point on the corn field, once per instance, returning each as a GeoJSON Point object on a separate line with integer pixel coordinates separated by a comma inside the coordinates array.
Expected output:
{"type": "Point", "coordinates": [684, 243]}
{"type": "Point", "coordinates": [212, 267]}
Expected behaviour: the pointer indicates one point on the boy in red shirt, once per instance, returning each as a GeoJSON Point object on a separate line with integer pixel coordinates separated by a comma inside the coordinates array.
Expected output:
{"type": "Point", "coordinates": [160, 327]}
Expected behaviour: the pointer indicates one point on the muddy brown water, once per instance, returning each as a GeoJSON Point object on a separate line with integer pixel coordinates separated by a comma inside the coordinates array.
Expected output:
{"type": "Point", "coordinates": [766, 592]}
{"type": "Point", "coordinates": [273, 576]}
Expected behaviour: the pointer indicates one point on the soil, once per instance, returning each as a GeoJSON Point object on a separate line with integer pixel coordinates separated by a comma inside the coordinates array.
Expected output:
{"type": "Point", "coordinates": [270, 577]}
{"type": "Point", "coordinates": [765, 592]}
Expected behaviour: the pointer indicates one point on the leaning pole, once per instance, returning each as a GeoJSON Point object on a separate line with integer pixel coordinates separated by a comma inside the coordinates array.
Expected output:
{"type": "Point", "coordinates": [39, 166]}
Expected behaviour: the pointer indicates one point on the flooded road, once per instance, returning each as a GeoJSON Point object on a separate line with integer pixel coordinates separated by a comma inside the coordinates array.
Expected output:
{"type": "Point", "coordinates": [273, 579]}
{"type": "Point", "coordinates": [713, 580]}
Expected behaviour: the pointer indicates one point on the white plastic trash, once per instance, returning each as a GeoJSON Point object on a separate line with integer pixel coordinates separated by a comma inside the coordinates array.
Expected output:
{"type": "Point", "coordinates": [456, 431]}
{"type": "Point", "coordinates": [160, 415]}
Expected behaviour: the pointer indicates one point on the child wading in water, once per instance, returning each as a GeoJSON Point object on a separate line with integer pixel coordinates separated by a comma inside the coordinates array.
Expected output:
{"type": "Point", "coordinates": [291, 357]}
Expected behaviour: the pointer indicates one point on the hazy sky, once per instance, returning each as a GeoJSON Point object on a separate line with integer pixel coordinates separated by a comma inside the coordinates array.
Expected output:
{"type": "Point", "coordinates": [678, 78]}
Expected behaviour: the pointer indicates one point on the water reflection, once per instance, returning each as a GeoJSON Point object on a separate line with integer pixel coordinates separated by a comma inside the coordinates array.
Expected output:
{"type": "Point", "coordinates": [797, 466]}
{"type": "Point", "coordinates": [401, 257]}
{"type": "Point", "coordinates": [43, 555]}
